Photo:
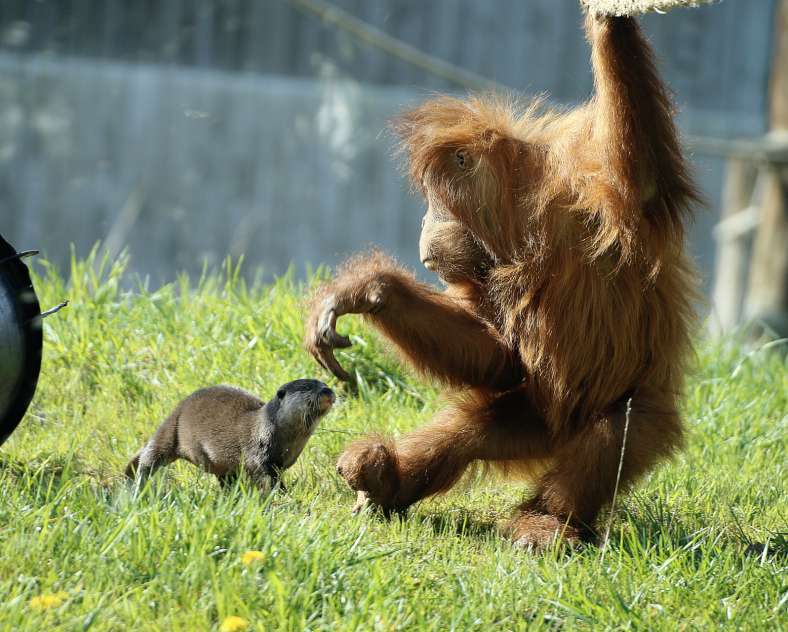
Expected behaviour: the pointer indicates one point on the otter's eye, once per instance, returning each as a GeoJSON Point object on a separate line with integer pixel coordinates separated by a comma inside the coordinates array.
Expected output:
{"type": "Point", "coordinates": [280, 393]}
{"type": "Point", "coordinates": [462, 159]}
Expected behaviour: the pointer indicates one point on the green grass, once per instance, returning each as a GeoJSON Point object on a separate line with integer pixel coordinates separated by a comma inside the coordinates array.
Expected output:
{"type": "Point", "coordinates": [116, 362]}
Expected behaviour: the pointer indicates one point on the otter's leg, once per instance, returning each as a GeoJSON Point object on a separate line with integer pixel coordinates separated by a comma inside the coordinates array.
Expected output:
{"type": "Point", "coordinates": [278, 482]}
{"type": "Point", "coordinates": [583, 478]}
{"type": "Point", "coordinates": [428, 461]}
{"type": "Point", "coordinates": [227, 480]}
{"type": "Point", "coordinates": [266, 479]}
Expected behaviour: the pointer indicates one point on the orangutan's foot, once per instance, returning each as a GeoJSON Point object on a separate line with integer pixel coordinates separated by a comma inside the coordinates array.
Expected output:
{"type": "Point", "coordinates": [537, 531]}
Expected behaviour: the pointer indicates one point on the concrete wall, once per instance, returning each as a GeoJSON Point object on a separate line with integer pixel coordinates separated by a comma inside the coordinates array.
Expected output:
{"type": "Point", "coordinates": [715, 57]}
{"type": "Point", "coordinates": [184, 166]}
{"type": "Point", "coordinates": [206, 152]}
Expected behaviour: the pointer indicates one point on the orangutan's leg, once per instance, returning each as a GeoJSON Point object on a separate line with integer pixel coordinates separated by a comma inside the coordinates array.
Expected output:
{"type": "Point", "coordinates": [583, 478]}
{"type": "Point", "coordinates": [429, 460]}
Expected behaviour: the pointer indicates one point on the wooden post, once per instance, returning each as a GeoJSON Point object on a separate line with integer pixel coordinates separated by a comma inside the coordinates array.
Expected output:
{"type": "Point", "coordinates": [767, 297]}
{"type": "Point", "coordinates": [733, 246]}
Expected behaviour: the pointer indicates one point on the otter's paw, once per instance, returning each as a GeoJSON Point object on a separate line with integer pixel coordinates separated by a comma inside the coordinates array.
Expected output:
{"type": "Point", "coordinates": [537, 532]}
{"type": "Point", "coordinates": [370, 468]}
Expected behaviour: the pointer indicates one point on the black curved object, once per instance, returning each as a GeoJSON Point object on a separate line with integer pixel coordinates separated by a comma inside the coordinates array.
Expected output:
{"type": "Point", "coordinates": [20, 339]}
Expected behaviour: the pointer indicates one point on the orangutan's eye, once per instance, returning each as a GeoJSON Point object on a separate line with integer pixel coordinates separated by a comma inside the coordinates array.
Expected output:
{"type": "Point", "coordinates": [461, 156]}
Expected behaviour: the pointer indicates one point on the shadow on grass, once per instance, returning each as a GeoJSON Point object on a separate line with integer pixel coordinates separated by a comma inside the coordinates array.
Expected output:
{"type": "Point", "coordinates": [460, 522]}
{"type": "Point", "coordinates": [649, 527]}
{"type": "Point", "coordinates": [652, 524]}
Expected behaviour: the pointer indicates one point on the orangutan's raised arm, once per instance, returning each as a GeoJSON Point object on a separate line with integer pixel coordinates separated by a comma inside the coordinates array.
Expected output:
{"type": "Point", "coordinates": [633, 127]}
{"type": "Point", "coordinates": [433, 331]}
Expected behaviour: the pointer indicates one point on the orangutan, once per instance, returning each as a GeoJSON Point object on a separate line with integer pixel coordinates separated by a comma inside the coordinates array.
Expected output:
{"type": "Point", "coordinates": [560, 235]}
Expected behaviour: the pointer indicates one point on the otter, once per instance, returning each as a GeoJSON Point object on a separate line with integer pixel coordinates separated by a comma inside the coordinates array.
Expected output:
{"type": "Point", "coordinates": [223, 429]}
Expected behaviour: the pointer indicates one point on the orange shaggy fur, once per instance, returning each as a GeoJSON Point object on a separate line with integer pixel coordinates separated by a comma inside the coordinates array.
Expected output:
{"type": "Point", "coordinates": [583, 302]}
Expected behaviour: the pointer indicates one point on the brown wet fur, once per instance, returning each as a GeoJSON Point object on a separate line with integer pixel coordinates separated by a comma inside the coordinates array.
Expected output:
{"type": "Point", "coordinates": [573, 296]}
{"type": "Point", "coordinates": [222, 430]}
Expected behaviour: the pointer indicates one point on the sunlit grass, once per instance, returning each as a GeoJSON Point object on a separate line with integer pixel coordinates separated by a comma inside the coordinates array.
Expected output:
{"type": "Point", "coordinates": [700, 545]}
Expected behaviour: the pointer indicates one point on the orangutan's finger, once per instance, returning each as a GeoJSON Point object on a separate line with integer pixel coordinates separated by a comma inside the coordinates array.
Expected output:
{"type": "Point", "coordinates": [362, 500]}
{"type": "Point", "coordinates": [339, 341]}
{"type": "Point", "coordinates": [316, 355]}
{"type": "Point", "coordinates": [330, 362]}
{"type": "Point", "coordinates": [327, 330]}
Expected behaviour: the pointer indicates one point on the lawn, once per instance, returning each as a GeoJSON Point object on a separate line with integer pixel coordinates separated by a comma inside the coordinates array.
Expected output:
{"type": "Point", "coordinates": [701, 544]}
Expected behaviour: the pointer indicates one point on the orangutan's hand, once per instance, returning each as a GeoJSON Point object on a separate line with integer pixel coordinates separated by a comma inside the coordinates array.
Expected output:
{"type": "Point", "coordinates": [322, 336]}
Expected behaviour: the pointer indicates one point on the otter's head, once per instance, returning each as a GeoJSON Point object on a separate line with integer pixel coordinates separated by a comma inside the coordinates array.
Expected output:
{"type": "Point", "coordinates": [302, 402]}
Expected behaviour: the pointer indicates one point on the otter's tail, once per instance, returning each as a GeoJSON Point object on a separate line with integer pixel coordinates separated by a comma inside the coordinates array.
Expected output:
{"type": "Point", "coordinates": [157, 451]}
{"type": "Point", "coordinates": [134, 465]}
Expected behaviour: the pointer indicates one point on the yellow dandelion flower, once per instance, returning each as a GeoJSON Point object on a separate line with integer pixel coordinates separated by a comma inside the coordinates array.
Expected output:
{"type": "Point", "coordinates": [234, 624]}
{"type": "Point", "coordinates": [250, 557]}
{"type": "Point", "coordinates": [47, 602]}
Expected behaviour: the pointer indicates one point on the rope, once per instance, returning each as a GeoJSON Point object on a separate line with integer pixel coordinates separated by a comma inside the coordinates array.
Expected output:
{"type": "Point", "coordinates": [373, 36]}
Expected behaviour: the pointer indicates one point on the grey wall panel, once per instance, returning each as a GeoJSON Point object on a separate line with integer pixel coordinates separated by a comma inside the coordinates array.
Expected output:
{"type": "Point", "coordinates": [185, 166]}
{"type": "Point", "coordinates": [716, 57]}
